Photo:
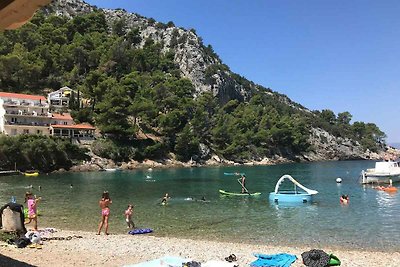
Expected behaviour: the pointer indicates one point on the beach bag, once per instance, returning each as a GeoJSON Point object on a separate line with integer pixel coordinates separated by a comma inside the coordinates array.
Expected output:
{"type": "Point", "coordinates": [11, 220]}
{"type": "Point", "coordinates": [22, 242]}
{"type": "Point", "coordinates": [315, 258]}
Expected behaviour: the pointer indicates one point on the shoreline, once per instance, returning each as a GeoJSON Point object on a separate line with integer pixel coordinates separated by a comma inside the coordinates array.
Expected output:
{"type": "Point", "coordinates": [123, 249]}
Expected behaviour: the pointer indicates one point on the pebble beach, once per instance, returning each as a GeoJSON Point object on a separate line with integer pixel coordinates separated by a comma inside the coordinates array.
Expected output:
{"type": "Point", "coordinates": [120, 250]}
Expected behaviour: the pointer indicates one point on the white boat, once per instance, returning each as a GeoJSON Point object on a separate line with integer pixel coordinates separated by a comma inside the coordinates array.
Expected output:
{"type": "Point", "coordinates": [384, 172]}
{"type": "Point", "coordinates": [111, 169]}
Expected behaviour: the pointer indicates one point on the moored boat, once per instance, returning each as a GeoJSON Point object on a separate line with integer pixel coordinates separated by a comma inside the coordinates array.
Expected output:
{"type": "Point", "coordinates": [111, 169]}
{"type": "Point", "coordinates": [291, 196]}
{"type": "Point", "coordinates": [31, 173]}
{"type": "Point", "coordinates": [384, 172]}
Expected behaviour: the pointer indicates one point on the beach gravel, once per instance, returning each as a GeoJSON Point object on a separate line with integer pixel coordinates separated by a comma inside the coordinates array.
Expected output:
{"type": "Point", "coordinates": [119, 250]}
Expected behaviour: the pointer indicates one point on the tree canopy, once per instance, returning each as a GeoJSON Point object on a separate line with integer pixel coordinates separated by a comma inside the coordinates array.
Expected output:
{"type": "Point", "coordinates": [141, 103]}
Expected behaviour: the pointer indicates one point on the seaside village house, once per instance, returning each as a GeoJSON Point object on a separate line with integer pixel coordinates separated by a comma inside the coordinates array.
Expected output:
{"type": "Point", "coordinates": [59, 100]}
{"type": "Point", "coordinates": [33, 114]}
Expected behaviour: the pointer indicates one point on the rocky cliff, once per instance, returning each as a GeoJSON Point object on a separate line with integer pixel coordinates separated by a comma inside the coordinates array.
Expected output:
{"type": "Point", "coordinates": [204, 68]}
{"type": "Point", "coordinates": [192, 56]}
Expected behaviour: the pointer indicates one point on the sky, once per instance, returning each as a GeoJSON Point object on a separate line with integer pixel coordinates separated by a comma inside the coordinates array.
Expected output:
{"type": "Point", "coordinates": [333, 54]}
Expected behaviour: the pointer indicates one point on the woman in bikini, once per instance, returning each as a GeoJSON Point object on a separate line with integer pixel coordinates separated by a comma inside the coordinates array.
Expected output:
{"type": "Point", "coordinates": [105, 212]}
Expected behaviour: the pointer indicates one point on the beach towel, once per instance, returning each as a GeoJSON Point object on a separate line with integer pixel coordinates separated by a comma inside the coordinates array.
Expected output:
{"type": "Point", "coordinates": [166, 261]}
{"type": "Point", "coordinates": [273, 260]}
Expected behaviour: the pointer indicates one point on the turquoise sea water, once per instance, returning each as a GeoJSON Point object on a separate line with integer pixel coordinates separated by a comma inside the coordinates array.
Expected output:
{"type": "Point", "coordinates": [370, 221]}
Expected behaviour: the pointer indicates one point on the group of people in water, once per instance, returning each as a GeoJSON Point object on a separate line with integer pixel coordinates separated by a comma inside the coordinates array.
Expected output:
{"type": "Point", "coordinates": [32, 202]}
{"type": "Point", "coordinates": [105, 202]}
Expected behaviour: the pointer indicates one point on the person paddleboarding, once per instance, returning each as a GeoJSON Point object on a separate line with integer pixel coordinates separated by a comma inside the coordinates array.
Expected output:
{"type": "Point", "coordinates": [243, 183]}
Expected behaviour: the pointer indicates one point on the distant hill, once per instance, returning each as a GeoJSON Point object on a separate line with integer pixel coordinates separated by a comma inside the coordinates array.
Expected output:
{"type": "Point", "coordinates": [156, 90]}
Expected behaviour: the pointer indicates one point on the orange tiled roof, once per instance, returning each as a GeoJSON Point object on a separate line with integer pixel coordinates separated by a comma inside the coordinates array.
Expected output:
{"type": "Point", "coordinates": [83, 126]}
{"type": "Point", "coordinates": [22, 96]}
{"type": "Point", "coordinates": [58, 116]}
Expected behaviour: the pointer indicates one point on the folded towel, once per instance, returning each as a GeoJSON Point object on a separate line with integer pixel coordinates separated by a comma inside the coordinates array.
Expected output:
{"type": "Point", "coordinates": [273, 260]}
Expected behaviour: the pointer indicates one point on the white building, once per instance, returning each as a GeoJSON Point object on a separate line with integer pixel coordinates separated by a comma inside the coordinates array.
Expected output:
{"type": "Point", "coordinates": [30, 114]}
{"type": "Point", "coordinates": [24, 114]}
{"type": "Point", "coordinates": [60, 99]}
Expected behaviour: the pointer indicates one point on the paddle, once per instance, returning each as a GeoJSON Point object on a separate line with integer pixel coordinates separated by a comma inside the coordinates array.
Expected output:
{"type": "Point", "coordinates": [245, 189]}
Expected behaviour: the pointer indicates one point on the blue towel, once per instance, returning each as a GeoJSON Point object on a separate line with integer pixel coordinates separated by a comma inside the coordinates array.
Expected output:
{"type": "Point", "coordinates": [274, 260]}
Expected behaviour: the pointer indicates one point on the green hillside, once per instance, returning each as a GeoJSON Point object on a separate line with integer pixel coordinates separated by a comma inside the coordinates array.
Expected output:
{"type": "Point", "coordinates": [144, 107]}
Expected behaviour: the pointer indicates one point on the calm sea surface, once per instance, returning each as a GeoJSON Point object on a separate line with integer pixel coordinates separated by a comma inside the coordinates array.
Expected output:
{"type": "Point", "coordinates": [370, 221]}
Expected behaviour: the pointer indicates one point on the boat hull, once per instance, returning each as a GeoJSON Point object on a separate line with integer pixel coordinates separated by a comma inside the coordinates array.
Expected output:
{"type": "Point", "coordinates": [384, 172]}
{"type": "Point", "coordinates": [223, 192]}
{"type": "Point", "coordinates": [379, 179]}
{"type": "Point", "coordinates": [374, 177]}
{"type": "Point", "coordinates": [290, 197]}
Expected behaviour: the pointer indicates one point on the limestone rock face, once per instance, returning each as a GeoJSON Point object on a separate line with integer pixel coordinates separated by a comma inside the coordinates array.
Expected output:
{"type": "Point", "coordinates": [68, 8]}
{"type": "Point", "coordinates": [328, 147]}
{"type": "Point", "coordinates": [190, 52]}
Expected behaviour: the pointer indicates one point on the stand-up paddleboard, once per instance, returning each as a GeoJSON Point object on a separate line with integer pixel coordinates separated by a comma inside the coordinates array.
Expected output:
{"type": "Point", "coordinates": [238, 194]}
{"type": "Point", "coordinates": [234, 173]}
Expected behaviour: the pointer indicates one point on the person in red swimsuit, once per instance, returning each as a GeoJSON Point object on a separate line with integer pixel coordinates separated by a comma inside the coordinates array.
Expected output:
{"type": "Point", "coordinates": [105, 212]}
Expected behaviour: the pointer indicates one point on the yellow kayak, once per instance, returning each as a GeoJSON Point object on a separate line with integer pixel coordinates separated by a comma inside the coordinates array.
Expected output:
{"type": "Point", "coordinates": [31, 174]}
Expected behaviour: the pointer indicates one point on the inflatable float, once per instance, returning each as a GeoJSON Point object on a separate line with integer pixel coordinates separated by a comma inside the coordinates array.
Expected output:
{"type": "Point", "coordinates": [140, 231]}
{"type": "Point", "coordinates": [389, 189]}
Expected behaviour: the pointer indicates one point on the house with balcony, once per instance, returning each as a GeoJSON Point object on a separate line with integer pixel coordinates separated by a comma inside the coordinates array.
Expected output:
{"type": "Point", "coordinates": [24, 114]}
{"type": "Point", "coordinates": [60, 99]}
{"type": "Point", "coordinates": [30, 114]}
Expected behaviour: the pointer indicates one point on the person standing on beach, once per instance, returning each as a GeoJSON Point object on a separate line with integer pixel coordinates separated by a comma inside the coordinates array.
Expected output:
{"type": "Point", "coordinates": [128, 216]}
{"type": "Point", "coordinates": [105, 211]}
{"type": "Point", "coordinates": [32, 202]}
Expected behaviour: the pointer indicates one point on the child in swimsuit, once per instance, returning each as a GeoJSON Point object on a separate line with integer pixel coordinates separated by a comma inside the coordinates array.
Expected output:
{"type": "Point", "coordinates": [165, 199]}
{"type": "Point", "coordinates": [105, 212]}
{"type": "Point", "coordinates": [32, 201]}
{"type": "Point", "coordinates": [344, 199]}
{"type": "Point", "coordinates": [128, 216]}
